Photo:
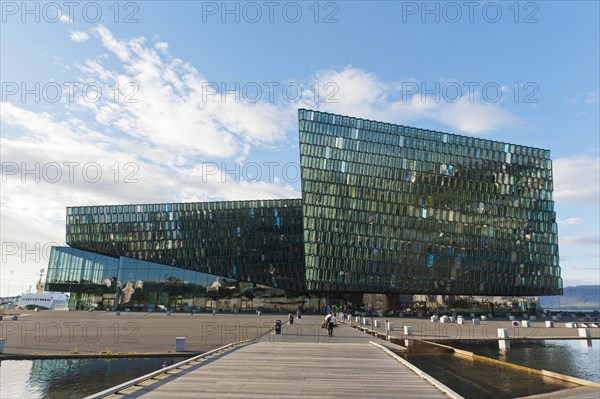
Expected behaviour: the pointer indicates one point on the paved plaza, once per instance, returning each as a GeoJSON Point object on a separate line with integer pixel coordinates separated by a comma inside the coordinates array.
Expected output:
{"type": "Point", "coordinates": [94, 333]}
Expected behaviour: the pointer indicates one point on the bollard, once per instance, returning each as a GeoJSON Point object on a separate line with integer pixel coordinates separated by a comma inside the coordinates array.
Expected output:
{"type": "Point", "coordinates": [435, 318]}
{"type": "Point", "coordinates": [483, 318]}
{"type": "Point", "coordinates": [460, 320]}
{"type": "Point", "coordinates": [444, 319]}
{"type": "Point", "coordinates": [503, 343]}
{"type": "Point", "coordinates": [277, 327]}
{"type": "Point", "coordinates": [389, 326]}
{"type": "Point", "coordinates": [1, 345]}
{"type": "Point", "coordinates": [525, 323]}
{"type": "Point", "coordinates": [377, 323]}
{"type": "Point", "coordinates": [180, 344]}
{"type": "Point", "coordinates": [585, 332]}
{"type": "Point", "coordinates": [408, 330]}
{"type": "Point", "coordinates": [571, 325]}
{"type": "Point", "coordinates": [475, 321]}
{"type": "Point", "coordinates": [549, 324]}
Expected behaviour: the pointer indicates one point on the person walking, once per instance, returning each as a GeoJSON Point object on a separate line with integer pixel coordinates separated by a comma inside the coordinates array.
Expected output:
{"type": "Point", "coordinates": [330, 319]}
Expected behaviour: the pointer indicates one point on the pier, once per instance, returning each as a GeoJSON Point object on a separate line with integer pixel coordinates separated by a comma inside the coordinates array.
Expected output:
{"type": "Point", "coordinates": [303, 362]}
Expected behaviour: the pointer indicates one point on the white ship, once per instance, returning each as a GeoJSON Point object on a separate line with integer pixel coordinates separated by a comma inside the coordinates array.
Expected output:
{"type": "Point", "coordinates": [43, 300]}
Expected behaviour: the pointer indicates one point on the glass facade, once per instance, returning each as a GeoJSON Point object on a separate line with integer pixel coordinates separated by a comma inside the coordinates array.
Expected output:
{"type": "Point", "coordinates": [385, 209]}
{"type": "Point", "coordinates": [390, 208]}
{"type": "Point", "coordinates": [253, 241]}
{"type": "Point", "coordinates": [96, 280]}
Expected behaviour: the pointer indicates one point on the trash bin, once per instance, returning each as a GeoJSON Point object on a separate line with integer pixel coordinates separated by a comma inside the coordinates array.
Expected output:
{"type": "Point", "coordinates": [291, 317]}
{"type": "Point", "coordinates": [277, 326]}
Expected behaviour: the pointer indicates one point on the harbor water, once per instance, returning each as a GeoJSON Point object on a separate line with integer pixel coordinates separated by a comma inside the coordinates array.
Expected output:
{"type": "Point", "coordinates": [71, 378]}
{"type": "Point", "coordinates": [577, 358]}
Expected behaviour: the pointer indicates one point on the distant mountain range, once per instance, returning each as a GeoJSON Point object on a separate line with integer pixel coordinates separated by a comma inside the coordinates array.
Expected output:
{"type": "Point", "coordinates": [582, 296]}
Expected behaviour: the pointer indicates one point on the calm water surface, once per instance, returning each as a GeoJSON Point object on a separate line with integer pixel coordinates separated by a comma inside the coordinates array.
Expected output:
{"type": "Point", "coordinates": [68, 378]}
{"type": "Point", "coordinates": [475, 379]}
{"type": "Point", "coordinates": [577, 358]}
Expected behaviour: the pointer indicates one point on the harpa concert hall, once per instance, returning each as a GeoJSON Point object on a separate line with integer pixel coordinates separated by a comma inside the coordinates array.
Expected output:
{"type": "Point", "coordinates": [385, 209]}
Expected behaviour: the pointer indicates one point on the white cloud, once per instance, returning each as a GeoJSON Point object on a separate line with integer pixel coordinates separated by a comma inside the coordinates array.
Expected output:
{"type": "Point", "coordinates": [571, 221]}
{"type": "Point", "coordinates": [173, 109]}
{"type": "Point", "coordinates": [79, 36]}
{"type": "Point", "coordinates": [592, 97]}
{"type": "Point", "coordinates": [353, 91]}
{"type": "Point", "coordinates": [577, 180]}
{"type": "Point", "coordinates": [65, 19]}
{"type": "Point", "coordinates": [162, 46]}
{"type": "Point", "coordinates": [591, 239]}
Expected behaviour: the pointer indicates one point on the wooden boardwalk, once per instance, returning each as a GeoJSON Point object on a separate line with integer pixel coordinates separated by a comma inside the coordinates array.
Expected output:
{"type": "Point", "coordinates": [294, 370]}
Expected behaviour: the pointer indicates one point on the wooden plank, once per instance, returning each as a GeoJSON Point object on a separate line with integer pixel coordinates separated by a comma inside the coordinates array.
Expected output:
{"type": "Point", "coordinates": [295, 370]}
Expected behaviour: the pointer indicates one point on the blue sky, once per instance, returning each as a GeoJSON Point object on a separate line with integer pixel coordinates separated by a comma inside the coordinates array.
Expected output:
{"type": "Point", "coordinates": [161, 129]}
